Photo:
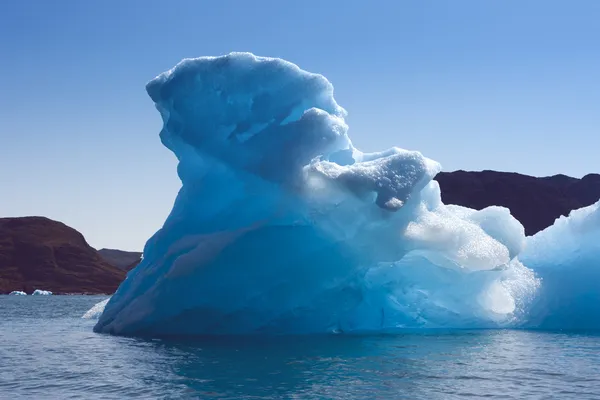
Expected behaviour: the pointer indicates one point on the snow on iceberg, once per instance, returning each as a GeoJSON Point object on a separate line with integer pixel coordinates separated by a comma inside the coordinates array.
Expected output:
{"type": "Point", "coordinates": [38, 292]}
{"type": "Point", "coordinates": [566, 256]}
{"type": "Point", "coordinates": [282, 226]}
{"type": "Point", "coordinates": [17, 293]}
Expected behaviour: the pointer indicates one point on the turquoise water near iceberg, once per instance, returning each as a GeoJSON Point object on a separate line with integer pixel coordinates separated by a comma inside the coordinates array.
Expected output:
{"type": "Point", "coordinates": [48, 351]}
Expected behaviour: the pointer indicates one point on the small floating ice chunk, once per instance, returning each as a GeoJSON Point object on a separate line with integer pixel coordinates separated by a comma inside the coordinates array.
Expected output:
{"type": "Point", "coordinates": [39, 292]}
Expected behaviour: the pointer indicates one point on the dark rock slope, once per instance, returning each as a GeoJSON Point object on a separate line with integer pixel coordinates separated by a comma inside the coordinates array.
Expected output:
{"type": "Point", "coordinates": [125, 260]}
{"type": "Point", "coordinates": [39, 253]}
{"type": "Point", "coordinates": [535, 202]}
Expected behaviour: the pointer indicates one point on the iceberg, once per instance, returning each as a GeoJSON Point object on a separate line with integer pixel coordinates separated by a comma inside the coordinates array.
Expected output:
{"type": "Point", "coordinates": [17, 293]}
{"type": "Point", "coordinates": [282, 226]}
{"type": "Point", "coordinates": [566, 257]}
{"type": "Point", "coordinates": [38, 292]}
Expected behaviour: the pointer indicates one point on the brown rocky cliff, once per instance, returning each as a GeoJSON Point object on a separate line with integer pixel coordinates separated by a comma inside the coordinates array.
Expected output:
{"type": "Point", "coordinates": [125, 260]}
{"type": "Point", "coordinates": [39, 253]}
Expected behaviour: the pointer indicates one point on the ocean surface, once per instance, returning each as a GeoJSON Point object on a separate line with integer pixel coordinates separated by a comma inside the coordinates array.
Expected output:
{"type": "Point", "coordinates": [48, 351]}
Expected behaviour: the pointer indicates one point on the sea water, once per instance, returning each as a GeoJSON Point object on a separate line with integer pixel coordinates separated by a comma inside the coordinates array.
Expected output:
{"type": "Point", "coordinates": [48, 351]}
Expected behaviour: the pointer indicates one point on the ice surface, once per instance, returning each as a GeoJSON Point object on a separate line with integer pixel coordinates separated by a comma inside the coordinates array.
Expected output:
{"type": "Point", "coordinates": [283, 226]}
{"type": "Point", "coordinates": [566, 256]}
{"type": "Point", "coordinates": [17, 293]}
{"type": "Point", "coordinates": [39, 292]}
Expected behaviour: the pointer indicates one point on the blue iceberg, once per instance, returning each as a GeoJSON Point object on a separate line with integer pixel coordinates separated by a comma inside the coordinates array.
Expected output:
{"type": "Point", "coordinates": [566, 257]}
{"type": "Point", "coordinates": [282, 226]}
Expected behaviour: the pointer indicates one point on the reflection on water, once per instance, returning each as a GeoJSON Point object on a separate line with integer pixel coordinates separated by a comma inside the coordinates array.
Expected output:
{"type": "Point", "coordinates": [48, 350]}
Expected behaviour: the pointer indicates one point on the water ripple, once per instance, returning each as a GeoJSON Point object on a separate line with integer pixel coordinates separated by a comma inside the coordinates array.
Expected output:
{"type": "Point", "coordinates": [48, 351]}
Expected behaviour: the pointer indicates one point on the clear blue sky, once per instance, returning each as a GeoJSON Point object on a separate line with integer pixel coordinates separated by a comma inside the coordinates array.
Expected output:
{"type": "Point", "coordinates": [506, 85]}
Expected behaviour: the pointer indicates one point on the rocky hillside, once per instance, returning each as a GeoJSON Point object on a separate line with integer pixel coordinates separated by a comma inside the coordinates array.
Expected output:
{"type": "Point", "coordinates": [535, 202]}
{"type": "Point", "coordinates": [125, 260]}
{"type": "Point", "coordinates": [39, 253]}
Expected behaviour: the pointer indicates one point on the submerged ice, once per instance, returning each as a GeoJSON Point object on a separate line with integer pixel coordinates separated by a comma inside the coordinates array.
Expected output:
{"type": "Point", "coordinates": [96, 310]}
{"type": "Point", "coordinates": [282, 226]}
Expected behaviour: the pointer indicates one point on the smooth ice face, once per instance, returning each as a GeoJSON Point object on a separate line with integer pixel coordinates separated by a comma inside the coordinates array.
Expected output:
{"type": "Point", "coordinates": [566, 256]}
{"type": "Point", "coordinates": [282, 226]}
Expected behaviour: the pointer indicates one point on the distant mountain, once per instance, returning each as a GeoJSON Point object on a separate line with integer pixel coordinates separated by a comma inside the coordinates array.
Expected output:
{"type": "Point", "coordinates": [535, 202]}
{"type": "Point", "coordinates": [125, 260]}
{"type": "Point", "coordinates": [39, 253]}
